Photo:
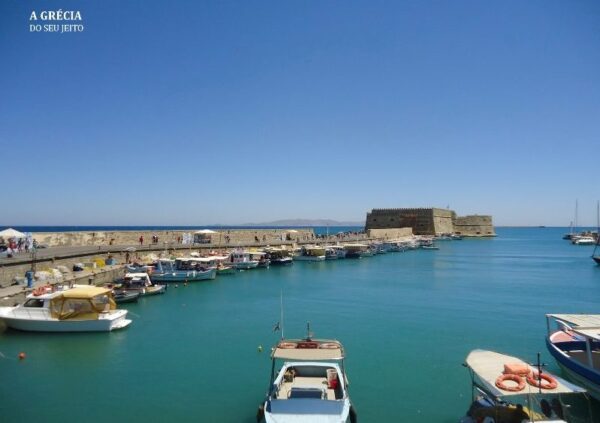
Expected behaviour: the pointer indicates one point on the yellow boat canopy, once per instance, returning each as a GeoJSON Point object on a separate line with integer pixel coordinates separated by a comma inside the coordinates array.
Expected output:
{"type": "Point", "coordinates": [86, 292]}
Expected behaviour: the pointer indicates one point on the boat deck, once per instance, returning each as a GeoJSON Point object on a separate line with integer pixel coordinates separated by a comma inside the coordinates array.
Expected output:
{"type": "Point", "coordinates": [299, 386]}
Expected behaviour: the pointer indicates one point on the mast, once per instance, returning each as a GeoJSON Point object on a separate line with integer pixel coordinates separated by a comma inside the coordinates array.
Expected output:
{"type": "Point", "coordinates": [281, 310]}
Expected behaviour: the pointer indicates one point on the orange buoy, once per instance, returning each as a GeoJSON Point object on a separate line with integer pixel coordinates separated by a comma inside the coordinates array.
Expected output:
{"type": "Point", "coordinates": [515, 378]}
{"type": "Point", "coordinates": [544, 380]}
{"type": "Point", "coordinates": [21, 356]}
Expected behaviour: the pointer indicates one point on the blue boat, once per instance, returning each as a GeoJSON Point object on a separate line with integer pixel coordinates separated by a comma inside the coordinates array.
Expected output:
{"type": "Point", "coordinates": [182, 270]}
{"type": "Point", "coordinates": [575, 345]}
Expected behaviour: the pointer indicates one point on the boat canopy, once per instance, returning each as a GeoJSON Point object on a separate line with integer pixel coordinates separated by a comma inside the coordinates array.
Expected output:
{"type": "Point", "coordinates": [83, 303]}
{"type": "Point", "coordinates": [587, 325]}
{"type": "Point", "coordinates": [488, 365]}
{"type": "Point", "coordinates": [308, 350]}
{"type": "Point", "coordinates": [85, 292]}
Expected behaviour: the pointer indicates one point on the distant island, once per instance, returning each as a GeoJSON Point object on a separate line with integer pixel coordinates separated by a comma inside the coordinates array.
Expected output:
{"type": "Point", "coordinates": [306, 222]}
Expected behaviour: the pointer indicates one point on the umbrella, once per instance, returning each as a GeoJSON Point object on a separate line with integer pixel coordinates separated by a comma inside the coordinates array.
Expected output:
{"type": "Point", "coordinates": [205, 231]}
{"type": "Point", "coordinates": [11, 233]}
{"type": "Point", "coordinates": [293, 231]}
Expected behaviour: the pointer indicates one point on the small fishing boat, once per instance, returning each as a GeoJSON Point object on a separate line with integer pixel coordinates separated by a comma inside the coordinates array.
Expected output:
{"type": "Point", "coordinates": [311, 386]}
{"type": "Point", "coordinates": [82, 308]}
{"type": "Point", "coordinates": [125, 296]}
{"type": "Point", "coordinates": [140, 283]}
{"type": "Point", "coordinates": [279, 256]}
{"type": "Point", "coordinates": [187, 269]}
{"type": "Point", "coordinates": [261, 257]}
{"type": "Point", "coordinates": [311, 253]}
{"type": "Point", "coordinates": [357, 250]}
{"type": "Point", "coordinates": [330, 254]}
{"type": "Point", "coordinates": [574, 342]}
{"type": "Point", "coordinates": [240, 259]}
{"type": "Point", "coordinates": [507, 389]}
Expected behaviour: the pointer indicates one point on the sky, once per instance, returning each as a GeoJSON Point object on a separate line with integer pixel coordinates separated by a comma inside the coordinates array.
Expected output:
{"type": "Point", "coordinates": [166, 112]}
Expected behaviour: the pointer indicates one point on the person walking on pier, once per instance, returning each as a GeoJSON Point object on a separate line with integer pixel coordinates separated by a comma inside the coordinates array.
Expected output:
{"type": "Point", "coordinates": [141, 239]}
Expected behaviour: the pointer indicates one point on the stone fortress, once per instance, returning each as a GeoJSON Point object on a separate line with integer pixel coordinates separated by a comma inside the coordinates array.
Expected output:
{"type": "Point", "coordinates": [430, 221]}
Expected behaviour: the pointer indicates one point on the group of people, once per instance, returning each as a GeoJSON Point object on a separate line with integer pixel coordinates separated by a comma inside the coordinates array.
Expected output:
{"type": "Point", "coordinates": [14, 246]}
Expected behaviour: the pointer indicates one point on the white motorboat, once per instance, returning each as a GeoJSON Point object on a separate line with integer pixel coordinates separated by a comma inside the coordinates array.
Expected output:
{"type": "Point", "coordinates": [357, 250]}
{"type": "Point", "coordinates": [82, 308]}
{"type": "Point", "coordinates": [140, 283]}
{"type": "Point", "coordinates": [584, 240]}
{"type": "Point", "coordinates": [507, 389]}
{"type": "Point", "coordinates": [311, 386]}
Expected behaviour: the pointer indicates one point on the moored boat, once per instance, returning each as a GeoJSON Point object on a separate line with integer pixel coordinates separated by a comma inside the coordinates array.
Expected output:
{"type": "Point", "coordinates": [311, 253]}
{"type": "Point", "coordinates": [187, 269]}
{"type": "Point", "coordinates": [574, 342]}
{"type": "Point", "coordinates": [140, 283]}
{"type": "Point", "coordinates": [279, 256]}
{"type": "Point", "coordinates": [125, 296]}
{"type": "Point", "coordinates": [82, 308]}
{"type": "Point", "coordinates": [311, 385]}
{"type": "Point", "coordinates": [357, 250]}
{"type": "Point", "coordinates": [240, 259]}
{"type": "Point", "coordinates": [507, 389]}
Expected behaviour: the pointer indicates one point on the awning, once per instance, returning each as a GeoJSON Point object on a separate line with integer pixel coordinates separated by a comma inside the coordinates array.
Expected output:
{"type": "Point", "coordinates": [11, 233]}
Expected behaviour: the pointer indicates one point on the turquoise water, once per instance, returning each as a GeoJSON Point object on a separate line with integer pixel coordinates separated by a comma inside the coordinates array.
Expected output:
{"type": "Point", "coordinates": [407, 321]}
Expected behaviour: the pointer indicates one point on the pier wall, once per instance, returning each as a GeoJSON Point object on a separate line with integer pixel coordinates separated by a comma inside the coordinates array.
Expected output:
{"type": "Point", "coordinates": [231, 237]}
{"type": "Point", "coordinates": [389, 233]}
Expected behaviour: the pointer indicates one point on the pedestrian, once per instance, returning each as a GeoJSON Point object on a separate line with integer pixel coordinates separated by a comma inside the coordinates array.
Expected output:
{"type": "Point", "coordinates": [141, 239]}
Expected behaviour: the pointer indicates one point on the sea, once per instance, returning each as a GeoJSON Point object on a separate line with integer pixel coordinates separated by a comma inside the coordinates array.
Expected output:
{"type": "Point", "coordinates": [407, 320]}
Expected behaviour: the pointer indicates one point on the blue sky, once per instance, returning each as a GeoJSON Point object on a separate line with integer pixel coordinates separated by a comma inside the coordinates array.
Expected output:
{"type": "Point", "coordinates": [191, 112]}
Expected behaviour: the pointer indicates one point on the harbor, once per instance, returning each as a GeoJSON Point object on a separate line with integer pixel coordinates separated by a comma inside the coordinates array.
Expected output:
{"type": "Point", "coordinates": [208, 343]}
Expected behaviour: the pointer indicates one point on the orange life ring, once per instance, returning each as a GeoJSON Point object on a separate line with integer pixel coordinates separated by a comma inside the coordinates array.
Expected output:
{"type": "Point", "coordinates": [515, 378]}
{"type": "Point", "coordinates": [287, 345]}
{"type": "Point", "coordinates": [537, 380]}
{"type": "Point", "coordinates": [308, 344]}
{"type": "Point", "coordinates": [329, 345]}
{"type": "Point", "coordinates": [39, 291]}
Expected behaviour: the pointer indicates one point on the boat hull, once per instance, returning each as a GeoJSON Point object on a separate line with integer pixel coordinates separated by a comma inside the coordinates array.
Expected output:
{"type": "Point", "coordinates": [107, 323]}
{"type": "Point", "coordinates": [580, 374]}
{"type": "Point", "coordinates": [310, 258]}
{"type": "Point", "coordinates": [185, 276]}
{"type": "Point", "coordinates": [282, 261]}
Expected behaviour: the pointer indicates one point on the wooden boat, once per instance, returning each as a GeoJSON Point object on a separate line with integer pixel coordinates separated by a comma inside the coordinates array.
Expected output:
{"type": "Point", "coordinates": [140, 283]}
{"type": "Point", "coordinates": [186, 269]}
{"type": "Point", "coordinates": [240, 259]}
{"type": "Point", "coordinates": [311, 385]}
{"type": "Point", "coordinates": [279, 256]}
{"type": "Point", "coordinates": [574, 342]}
{"type": "Point", "coordinates": [125, 296]}
{"type": "Point", "coordinates": [506, 389]}
{"type": "Point", "coordinates": [82, 308]}
{"type": "Point", "coordinates": [311, 253]}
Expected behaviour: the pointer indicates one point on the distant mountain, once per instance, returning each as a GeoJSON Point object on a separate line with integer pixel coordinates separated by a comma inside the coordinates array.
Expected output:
{"type": "Point", "coordinates": [306, 222]}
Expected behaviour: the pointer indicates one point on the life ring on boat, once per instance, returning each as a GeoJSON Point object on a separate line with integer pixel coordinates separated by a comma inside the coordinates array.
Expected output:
{"type": "Point", "coordinates": [287, 345]}
{"type": "Point", "coordinates": [308, 344]}
{"type": "Point", "coordinates": [39, 291]}
{"type": "Point", "coordinates": [544, 380]}
{"type": "Point", "coordinates": [515, 378]}
{"type": "Point", "coordinates": [328, 345]}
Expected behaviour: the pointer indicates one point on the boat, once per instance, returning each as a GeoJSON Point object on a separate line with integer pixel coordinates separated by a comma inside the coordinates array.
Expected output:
{"type": "Point", "coordinates": [279, 256]}
{"type": "Point", "coordinates": [357, 250]}
{"type": "Point", "coordinates": [584, 240]}
{"type": "Point", "coordinates": [185, 269]}
{"type": "Point", "coordinates": [574, 342]}
{"type": "Point", "coordinates": [506, 389]}
{"type": "Point", "coordinates": [330, 254]}
{"type": "Point", "coordinates": [311, 386]}
{"type": "Point", "coordinates": [311, 253]}
{"type": "Point", "coordinates": [240, 259]}
{"type": "Point", "coordinates": [218, 262]}
{"type": "Point", "coordinates": [82, 308]}
{"type": "Point", "coordinates": [125, 296]}
{"type": "Point", "coordinates": [261, 257]}
{"type": "Point", "coordinates": [140, 283]}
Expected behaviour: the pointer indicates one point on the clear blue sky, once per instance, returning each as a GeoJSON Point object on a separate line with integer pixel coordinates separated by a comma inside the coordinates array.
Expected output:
{"type": "Point", "coordinates": [194, 112]}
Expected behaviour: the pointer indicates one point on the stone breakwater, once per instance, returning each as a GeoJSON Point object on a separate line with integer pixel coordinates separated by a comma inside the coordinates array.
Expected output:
{"type": "Point", "coordinates": [230, 237]}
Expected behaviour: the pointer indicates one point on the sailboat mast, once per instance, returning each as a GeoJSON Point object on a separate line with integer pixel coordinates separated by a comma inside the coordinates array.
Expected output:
{"type": "Point", "coordinates": [281, 308]}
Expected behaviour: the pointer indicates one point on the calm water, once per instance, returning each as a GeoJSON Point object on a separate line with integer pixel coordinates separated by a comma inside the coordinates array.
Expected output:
{"type": "Point", "coordinates": [407, 320]}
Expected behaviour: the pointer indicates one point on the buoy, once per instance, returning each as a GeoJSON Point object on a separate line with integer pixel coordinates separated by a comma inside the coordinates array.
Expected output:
{"type": "Point", "coordinates": [260, 348]}
{"type": "Point", "coordinates": [21, 356]}
{"type": "Point", "coordinates": [176, 285]}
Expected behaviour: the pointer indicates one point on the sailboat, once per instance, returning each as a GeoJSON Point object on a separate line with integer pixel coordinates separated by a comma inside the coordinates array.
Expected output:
{"type": "Point", "coordinates": [595, 256]}
{"type": "Point", "coordinates": [572, 234]}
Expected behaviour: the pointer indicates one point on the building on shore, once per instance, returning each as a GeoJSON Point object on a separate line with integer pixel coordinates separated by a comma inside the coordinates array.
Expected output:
{"type": "Point", "coordinates": [430, 221]}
